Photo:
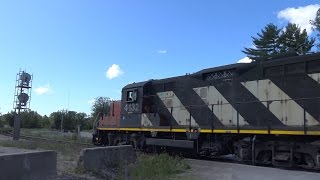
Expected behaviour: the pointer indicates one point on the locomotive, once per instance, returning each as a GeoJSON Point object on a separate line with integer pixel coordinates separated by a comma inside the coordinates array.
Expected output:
{"type": "Point", "coordinates": [265, 112]}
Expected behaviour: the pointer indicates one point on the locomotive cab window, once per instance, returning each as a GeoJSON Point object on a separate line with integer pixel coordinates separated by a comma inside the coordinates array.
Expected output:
{"type": "Point", "coordinates": [131, 95]}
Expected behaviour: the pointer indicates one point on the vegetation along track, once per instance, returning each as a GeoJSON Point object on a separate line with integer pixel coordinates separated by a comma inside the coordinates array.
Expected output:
{"type": "Point", "coordinates": [10, 134]}
{"type": "Point", "coordinates": [225, 159]}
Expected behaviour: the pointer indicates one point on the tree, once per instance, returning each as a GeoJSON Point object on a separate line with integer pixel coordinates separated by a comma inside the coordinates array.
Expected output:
{"type": "Point", "coordinates": [3, 121]}
{"type": "Point", "coordinates": [100, 105]}
{"type": "Point", "coordinates": [69, 119]}
{"type": "Point", "coordinates": [46, 122]}
{"type": "Point", "coordinates": [266, 44]}
{"type": "Point", "coordinates": [56, 118]}
{"type": "Point", "coordinates": [9, 118]}
{"type": "Point", "coordinates": [316, 24]}
{"type": "Point", "coordinates": [88, 123]}
{"type": "Point", "coordinates": [84, 120]}
{"type": "Point", "coordinates": [292, 39]}
{"type": "Point", "coordinates": [80, 118]}
{"type": "Point", "coordinates": [30, 119]}
{"type": "Point", "coordinates": [273, 43]}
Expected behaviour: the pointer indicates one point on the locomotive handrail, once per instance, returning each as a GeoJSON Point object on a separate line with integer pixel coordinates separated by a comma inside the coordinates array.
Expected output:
{"type": "Point", "coordinates": [243, 102]}
{"type": "Point", "coordinates": [246, 102]}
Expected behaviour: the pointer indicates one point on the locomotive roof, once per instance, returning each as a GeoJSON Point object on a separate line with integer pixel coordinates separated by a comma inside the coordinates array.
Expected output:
{"type": "Point", "coordinates": [292, 59]}
{"type": "Point", "coordinates": [134, 85]}
{"type": "Point", "coordinates": [225, 67]}
{"type": "Point", "coordinates": [237, 66]}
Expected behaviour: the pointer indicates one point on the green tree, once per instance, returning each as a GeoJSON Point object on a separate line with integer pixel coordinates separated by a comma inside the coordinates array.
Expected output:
{"type": "Point", "coordinates": [88, 123]}
{"type": "Point", "coordinates": [69, 119]}
{"type": "Point", "coordinates": [9, 118]}
{"type": "Point", "coordinates": [3, 122]}
{"type": "Point", "coordinates": [292, 39]}
{"type": "Point", "coordinates": [100, 105]}
{"type": "Point", "coordinates": [30, 119]}
{"type": "Point", "coordinates": [80, 118]}
{"type": "Point", "coordinates": [266, 45]}
{"type": "Point", "coordinates": [46, 122]}
{"type": "Point", "coordinates": [316, 26]}
{"type": "Point", "coordinates": [56, 118]}
{"type": "Point", "coordinates": [273, 43]}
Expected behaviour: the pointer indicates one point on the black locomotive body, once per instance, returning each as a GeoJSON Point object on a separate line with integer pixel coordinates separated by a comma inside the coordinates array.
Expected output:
{"type": "Point", "coordinates": [264, 112]}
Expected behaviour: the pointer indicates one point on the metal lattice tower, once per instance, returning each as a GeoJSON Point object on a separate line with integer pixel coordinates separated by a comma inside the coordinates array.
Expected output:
{"type": "Point", "coordinates": [22, 97]}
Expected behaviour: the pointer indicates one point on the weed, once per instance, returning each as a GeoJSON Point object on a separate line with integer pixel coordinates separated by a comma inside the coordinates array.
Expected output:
{"type": "Point", "coordinates": [160, 166]}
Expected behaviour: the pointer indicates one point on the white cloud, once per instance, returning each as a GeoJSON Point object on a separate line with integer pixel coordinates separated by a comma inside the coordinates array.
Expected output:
{"type": "Point", "coordinates": [113, 71]}
{"type": "Point", "coordinates": [245, 60]}
{"type": "Point", "coordinates": [162, 51]}
{"type": "Point", "coordinates": [43, 89]}
{"type": "Point", "coordinates": [300, 16]}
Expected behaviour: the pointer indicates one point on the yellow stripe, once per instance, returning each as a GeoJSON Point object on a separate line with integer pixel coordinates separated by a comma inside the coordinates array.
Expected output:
{"type": "Point", "coordinates": [223, 131]}
{"type": "Point", "coordinates": [220, 131]}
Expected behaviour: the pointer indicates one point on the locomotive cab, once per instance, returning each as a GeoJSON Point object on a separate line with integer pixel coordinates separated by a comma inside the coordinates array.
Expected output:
{"type": "Point", "coordinates": [134, 102]}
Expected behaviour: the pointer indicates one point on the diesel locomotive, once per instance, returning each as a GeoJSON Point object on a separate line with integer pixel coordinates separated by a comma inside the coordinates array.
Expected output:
{"type": "Point", "coordinates": [265, 112]}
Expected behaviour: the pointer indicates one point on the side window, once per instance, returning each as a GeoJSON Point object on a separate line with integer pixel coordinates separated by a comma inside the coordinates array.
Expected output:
{"type": "Point", "coordinates": [131, 95]}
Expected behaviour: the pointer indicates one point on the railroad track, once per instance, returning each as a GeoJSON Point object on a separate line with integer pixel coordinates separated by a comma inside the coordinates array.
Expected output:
{"type": "Point", "coordinates": [26, 137]}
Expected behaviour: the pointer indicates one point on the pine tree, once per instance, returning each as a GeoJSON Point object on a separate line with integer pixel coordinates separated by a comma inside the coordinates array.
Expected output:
{"type": "Point", "coordinates": [292, 39]}
{"type": "Point", "coordinates": [316, 24]}
{"type": "Point", "coordinates": [274, 43]}
{"type": "Point", "coordinates": [266, 44]}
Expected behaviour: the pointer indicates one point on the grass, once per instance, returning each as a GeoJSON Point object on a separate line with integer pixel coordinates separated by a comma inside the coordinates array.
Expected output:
{"type": "Point", "coordinates": [55, 135]}
{"type": "Point", "coordinates": [52, 134]}
{"type": "Point", "coordinates": [67, 153]}
{"type": "Point", "coordinates": [67, 150]}
{"type": "Point", "coordinates": [147, 166]}
{"type": "Point", "coordinates": [159, 166]}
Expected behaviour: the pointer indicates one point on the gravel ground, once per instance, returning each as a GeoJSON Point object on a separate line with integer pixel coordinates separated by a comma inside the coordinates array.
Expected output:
{"type": "Point", "coordinates": [212, 170]}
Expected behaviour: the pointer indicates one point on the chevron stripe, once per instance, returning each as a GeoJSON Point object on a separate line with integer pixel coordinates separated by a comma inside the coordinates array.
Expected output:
{"type": "Point", "coordinates": [302, 86]}
{"type": "Point", "coordinates": [315, 76]}
{"type": "Point", "coordinates": [190, 99]}
{"type": "Point", "coordinates": [250, 108]}
{"type": "Point", "coordinates": [222, 109]}
{"type": "Point", "coordinates": [179, 111]}
{"type": "Point", "coordinates": [288, 111]}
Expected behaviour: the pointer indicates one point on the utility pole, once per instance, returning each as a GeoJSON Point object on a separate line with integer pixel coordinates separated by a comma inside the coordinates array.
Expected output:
{"type": "Point", "coordinates": [61, 122]}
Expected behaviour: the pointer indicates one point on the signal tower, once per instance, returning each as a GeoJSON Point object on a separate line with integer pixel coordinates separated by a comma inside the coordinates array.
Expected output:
{"type": "Point", "coordinates": [22, 97]}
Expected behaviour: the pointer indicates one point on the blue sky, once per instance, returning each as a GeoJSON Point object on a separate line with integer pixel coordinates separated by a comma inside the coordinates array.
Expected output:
{"type": "Point", "coordinates": [69, 46]}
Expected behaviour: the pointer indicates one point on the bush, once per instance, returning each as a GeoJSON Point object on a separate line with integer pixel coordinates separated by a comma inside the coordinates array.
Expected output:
{"type": "Point", "coordinates": [160, 166]}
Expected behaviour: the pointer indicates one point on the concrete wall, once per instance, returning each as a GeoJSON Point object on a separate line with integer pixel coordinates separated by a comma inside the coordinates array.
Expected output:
{"type": "Point", "coordinates": [28, 165]}
{"type": "Point", "coordinates": [104, 158]}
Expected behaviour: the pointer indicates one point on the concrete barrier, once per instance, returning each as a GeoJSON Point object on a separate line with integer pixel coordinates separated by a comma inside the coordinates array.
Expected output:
{"type": "Point", "coordinates": [28, 165]}
{"type": "Point", "coordinates": [104, 158]}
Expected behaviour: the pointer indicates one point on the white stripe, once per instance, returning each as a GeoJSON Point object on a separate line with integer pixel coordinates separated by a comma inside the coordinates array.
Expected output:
{"type": "Point", "coordinates": [145, 121]}
{"type": "Point", "coordinates": [286, 110]}
{"type": "Point", "coordinates": [179, 112]}
{"type": "Point", "coordinates": [315, 76]}
{"type": "Point", "coordinates": [222, 109]}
